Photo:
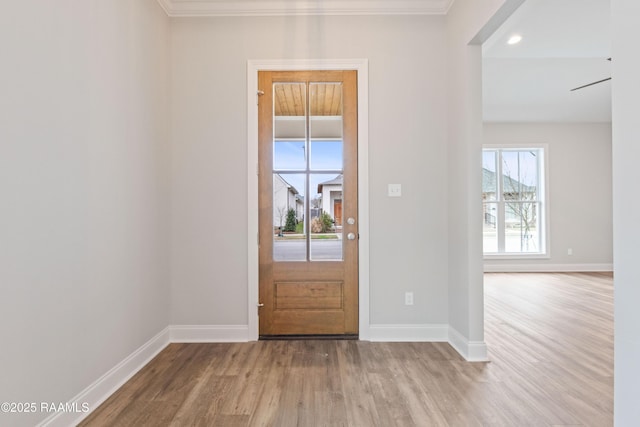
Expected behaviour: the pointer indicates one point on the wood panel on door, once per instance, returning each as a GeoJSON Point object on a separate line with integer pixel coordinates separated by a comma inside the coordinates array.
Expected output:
{"type": "Point", "coordinates": [308, 166]}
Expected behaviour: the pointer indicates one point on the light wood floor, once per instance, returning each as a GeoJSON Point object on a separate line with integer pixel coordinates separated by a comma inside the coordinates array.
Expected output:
{"type": "Point", "coordinates": [550, 339]}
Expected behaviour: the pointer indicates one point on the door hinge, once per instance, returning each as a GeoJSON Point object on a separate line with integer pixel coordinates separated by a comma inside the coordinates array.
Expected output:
{"type": "Point", "coordinates": [258, 95]}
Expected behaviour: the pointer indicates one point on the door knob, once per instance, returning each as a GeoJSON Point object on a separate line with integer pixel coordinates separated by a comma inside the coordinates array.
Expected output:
{"type": "Point", "coordinates": [351, 236]}
{"type": "Point", "coordinates": [351, 221]}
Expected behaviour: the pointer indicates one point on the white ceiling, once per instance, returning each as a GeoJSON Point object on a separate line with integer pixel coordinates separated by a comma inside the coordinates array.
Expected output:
{"type": "Point", "coordinates": [565, 44]}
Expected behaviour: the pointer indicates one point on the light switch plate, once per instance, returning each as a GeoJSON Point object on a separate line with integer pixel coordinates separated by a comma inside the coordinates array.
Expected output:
{"type": "Point", "coordinates": [395, 190]}
{"type": "Point", "coordinates": [408, 298]}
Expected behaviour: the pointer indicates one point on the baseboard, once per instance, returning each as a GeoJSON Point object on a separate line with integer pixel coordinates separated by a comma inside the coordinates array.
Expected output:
{"type": "Point", "coordinates": [472, 351]}
{"type": "Point", "coordinates": [545, 268]}
{"type": "Point", "coordinates": [408, 333]}
{"type": "Point", "coordinates": [209, 333]}
{"type": "Point", "coordinates": [106, 385]}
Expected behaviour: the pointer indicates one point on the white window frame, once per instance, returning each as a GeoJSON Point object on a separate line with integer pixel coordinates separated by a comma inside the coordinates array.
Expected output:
{"type": "Point", "coordinates": [543, 199]}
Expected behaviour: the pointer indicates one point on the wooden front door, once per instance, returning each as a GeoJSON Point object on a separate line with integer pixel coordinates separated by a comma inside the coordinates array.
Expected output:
{"type": "Point", "coordinates": [307, 142]}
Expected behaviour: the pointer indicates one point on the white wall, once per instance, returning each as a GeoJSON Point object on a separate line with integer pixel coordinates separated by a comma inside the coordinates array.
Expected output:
{"type": "Point", "coordinates": [579, 192]}
{"type": "Point", "coordinates": [83, 169]}
{"type": "Point", "coordinates": [464, 123]}
{"type": "Point", "coordinates": [407, 145]}
{"type": "Point", "coordinates": [626, 209]}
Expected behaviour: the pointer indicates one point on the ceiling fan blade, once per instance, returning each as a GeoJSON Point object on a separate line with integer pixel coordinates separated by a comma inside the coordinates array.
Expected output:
{"type": "Point", "coordinates": [590, 84]}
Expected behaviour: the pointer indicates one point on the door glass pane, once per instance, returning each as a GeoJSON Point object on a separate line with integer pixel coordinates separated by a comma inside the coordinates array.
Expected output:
{"type": "Point", "coordinates": [289, 126]}
{"type": "Point", "coordinates": [289, 155]}
{"type": "Point", "coordinates": [325, 100]}
{"type": "Point", "coordinates": [289, 235]}
{"type": "Point", "coordinates": [326, 155]}
{"type": "Point", "coordinates": [307, 160]}
{"type": "Point", "coordinates": [290, 100]}
{"type": "Point", "coordinates": [326, 217]}
{"type": "Point", "coordinates": [290, 149]}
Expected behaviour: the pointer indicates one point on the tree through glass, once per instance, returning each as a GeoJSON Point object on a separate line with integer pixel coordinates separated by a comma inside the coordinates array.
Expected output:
{"type": "Point", "coordinates": [512, 201]}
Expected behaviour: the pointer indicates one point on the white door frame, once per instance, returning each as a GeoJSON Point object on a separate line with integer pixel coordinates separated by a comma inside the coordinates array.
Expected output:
{"type": "Point", "coordinates": [362, 68]}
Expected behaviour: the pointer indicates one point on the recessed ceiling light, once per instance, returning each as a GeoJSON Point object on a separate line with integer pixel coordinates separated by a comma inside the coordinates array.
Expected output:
{"type": "Point", "coordinates": [515, 39]}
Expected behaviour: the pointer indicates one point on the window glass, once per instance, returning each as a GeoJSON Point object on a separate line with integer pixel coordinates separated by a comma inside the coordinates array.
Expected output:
{"type": "Point", "coordinates": [512, 201]}
{"type": "Point", "coordinates": [289, 234]}
{"type": "Point", "coordinates": [289, 155]}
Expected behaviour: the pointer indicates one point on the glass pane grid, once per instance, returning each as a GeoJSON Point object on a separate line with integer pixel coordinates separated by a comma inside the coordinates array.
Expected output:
{"type": "Point", "coordinates": [289, 156]}
{"type": "Point", "coordinates": [512, 205]}
{"type": "Point", "coordinates": [289, 242]}
{"type": "Point", "coordinates": [308, 172]}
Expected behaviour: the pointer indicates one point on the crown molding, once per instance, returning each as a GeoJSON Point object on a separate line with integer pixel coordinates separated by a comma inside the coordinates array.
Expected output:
{"type": "Point", "coordinates": [185, 8]}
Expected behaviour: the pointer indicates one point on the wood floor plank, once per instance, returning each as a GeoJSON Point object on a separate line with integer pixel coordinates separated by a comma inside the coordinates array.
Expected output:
{"type": "Point", "coordinates": [550, 341]}
{"type": "Point", "coordinates": [357, 391]}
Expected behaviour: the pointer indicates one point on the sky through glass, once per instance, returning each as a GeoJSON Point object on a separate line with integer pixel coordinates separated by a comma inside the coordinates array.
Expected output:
{"type": "Point", "coordinates": [289, 158]}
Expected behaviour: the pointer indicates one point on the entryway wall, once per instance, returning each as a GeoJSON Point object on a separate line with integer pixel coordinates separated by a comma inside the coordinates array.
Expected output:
{"type": "Point", "coordinates": [579, 194]}
{"type": "Point", "coordinates": [407, 145]}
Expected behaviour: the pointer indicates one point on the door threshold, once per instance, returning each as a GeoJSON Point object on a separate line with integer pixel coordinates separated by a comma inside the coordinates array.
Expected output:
{"type": "Point", "coordinates": [307, 337]}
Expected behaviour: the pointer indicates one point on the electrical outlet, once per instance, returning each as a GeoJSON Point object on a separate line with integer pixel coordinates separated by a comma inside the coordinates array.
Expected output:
{"type": "Point", "coordinates": [408, 298]}
{"type": "Point", "coordinates": [570, 251]}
